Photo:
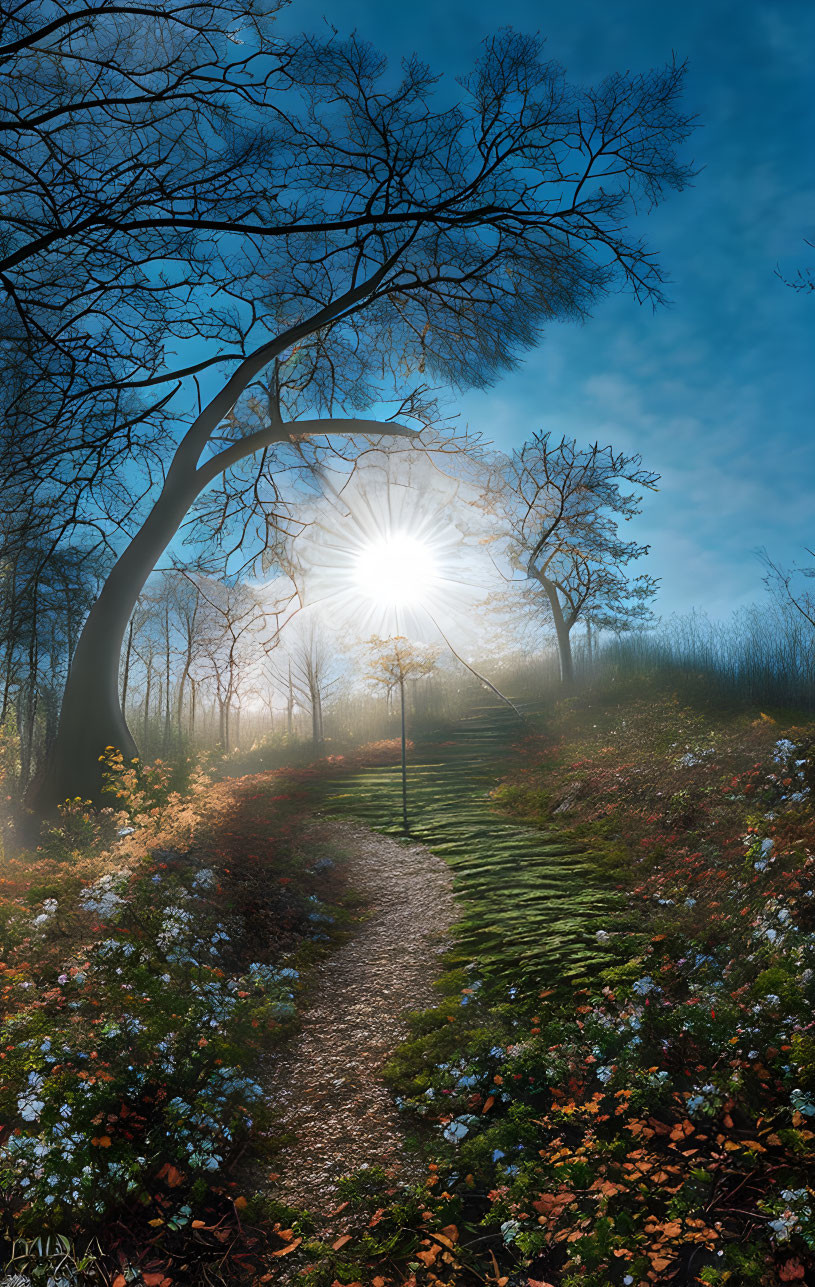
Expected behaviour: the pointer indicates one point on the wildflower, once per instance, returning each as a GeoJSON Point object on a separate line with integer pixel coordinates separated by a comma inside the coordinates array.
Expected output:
{"type": "Point", "coordinates": [645, 985]}
{"type": "Point", "coordinates": [455, 1131]}
{"type": "Point", "coordinates": [802, 1103]}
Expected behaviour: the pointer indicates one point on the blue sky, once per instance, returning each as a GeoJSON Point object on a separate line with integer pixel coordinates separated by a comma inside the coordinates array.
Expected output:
{"type": "Point", "coordinates": [717, 392]}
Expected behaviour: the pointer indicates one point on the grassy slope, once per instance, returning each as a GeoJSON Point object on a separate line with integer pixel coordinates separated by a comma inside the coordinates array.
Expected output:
{"type": "Point", "coordinates": [529, 899]}
{"type": "Point", "coordinates": [658, 1131]}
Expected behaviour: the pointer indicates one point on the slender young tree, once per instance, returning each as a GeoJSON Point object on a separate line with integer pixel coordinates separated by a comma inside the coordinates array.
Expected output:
{"type": "Point", "coordinates": [286, 213]}
{"type": "Point", "coordinates": [562, 505]}
{"type": "Point", "coordinates": [393, 663]}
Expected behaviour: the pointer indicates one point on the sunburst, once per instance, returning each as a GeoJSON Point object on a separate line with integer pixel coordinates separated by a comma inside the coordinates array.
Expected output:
{"type": "Point", "coordinates": [392, 556]}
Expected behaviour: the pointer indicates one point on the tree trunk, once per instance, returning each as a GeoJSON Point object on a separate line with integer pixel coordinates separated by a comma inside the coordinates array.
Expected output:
{"type": "Point", "coordinates": [128, 654]}
{"type": "Point", "coordinates": [316, 714]}
{"type": "Point", "coordinates": [11, 642]}
{"type": "Point", "coordinates": [168, 671]}
{"type": "Point", "coordinates": [290, 706]}
{"type": "Point", "coordinates": [28, 697]}
{"type": "Point", "coordinates": [564, 642]}
{"type": "Point", "coordinates": [405, 826]}
{"type": "Point", "coordinates": [147, 700]}
{"type": "Point", "coordinates": [91, 717]}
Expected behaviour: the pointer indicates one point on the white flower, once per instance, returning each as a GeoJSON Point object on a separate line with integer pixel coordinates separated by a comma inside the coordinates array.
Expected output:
{"type": "Point", "coordinates": [644, 985]}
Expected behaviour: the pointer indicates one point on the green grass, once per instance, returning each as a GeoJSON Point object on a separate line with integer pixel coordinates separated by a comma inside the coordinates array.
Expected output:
{"type": "Point", "coordinates": [532, 901]}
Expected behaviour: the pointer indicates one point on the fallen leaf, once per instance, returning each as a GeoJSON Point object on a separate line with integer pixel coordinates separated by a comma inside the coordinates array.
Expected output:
{"type": "Point", "coordinates": [682, 1129]}
{"type": "Point", "coordinates": [292, 1246]}
{"type": "Point", "coordinates": [341, 1241]}
{"type": "Point", "coordinates": [792, 1270]}
{"type": "Point", "coordinates": [171, 1174]}
{"type": "Point", "coordinates": [428, 1257]}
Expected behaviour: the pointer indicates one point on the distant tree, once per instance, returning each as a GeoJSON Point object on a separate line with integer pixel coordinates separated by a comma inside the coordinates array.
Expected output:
{"type": "Point", "coordinates": [234, 629]}
{"type": "Point", "coordinates": [784, 585]}
{"type": "Point", "coordinates": [393, 663]}
{"type": "Point", "coordinates": [312, 671]}
{"type": "Point", "coordinates": [194, 196]}
{"type": "Point", "coordinates": [45, 593]}
{"type": "Point", "coordinates": [562, 505]}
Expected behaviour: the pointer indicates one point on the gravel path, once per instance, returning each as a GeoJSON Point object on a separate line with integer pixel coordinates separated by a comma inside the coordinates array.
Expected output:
{"type": "Point", "coordinates": [327, 1088]}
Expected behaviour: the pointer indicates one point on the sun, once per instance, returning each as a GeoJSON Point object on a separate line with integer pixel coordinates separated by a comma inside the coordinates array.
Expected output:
{"type": "Point", "coordinates": [396, 571]}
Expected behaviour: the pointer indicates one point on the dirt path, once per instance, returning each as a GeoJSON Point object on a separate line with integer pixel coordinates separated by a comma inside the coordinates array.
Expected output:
{"type": "Point", "coordinates": [327, 1089]}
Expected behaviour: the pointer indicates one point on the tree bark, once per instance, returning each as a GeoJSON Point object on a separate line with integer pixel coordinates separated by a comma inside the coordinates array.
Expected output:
{"type": "Point", "coordinates": [316, 714]}
{"type": "Point", "coordinates": [91, 718]}
{"type": "Point", "coordinates": [128, 654]}
{"type": "Point", "coordinates": [147, 691]}
{"type": "Point", "coordinates": [405, 824]}
{"type": "Point", "coordinates": [562, 631]}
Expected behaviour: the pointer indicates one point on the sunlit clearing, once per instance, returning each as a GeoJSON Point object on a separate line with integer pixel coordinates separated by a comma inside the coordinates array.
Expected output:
{"type": "Point", "coordinates": [396, 571]}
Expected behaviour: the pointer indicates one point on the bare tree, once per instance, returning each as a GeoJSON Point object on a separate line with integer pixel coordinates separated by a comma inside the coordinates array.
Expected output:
{"type": "Point", "coordinates": [561, 505]}
{"type": "Point", "coordinates": [312, 671]}
{"type": "Point", "coordinates": [234, 627]}
{"type": "Point", "coordinates": [319, 229]}
{"type": "Point", "coordinates": [393, 663]}
{"type": "Point", "coordinates": [783, 584]}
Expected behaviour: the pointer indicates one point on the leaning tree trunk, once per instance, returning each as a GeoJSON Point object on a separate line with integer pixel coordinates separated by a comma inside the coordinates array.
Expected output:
{"type": "Point", "coordinates": [91, 718]}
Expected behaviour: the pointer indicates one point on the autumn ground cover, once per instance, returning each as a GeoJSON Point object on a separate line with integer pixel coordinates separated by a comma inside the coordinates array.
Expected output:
{"type": "Point", "coordinates": [656, 1123]}
{"type": "Point", "coordinates": [624, 1095]}
{"type": "Point", "coordinates": [152, 955]}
